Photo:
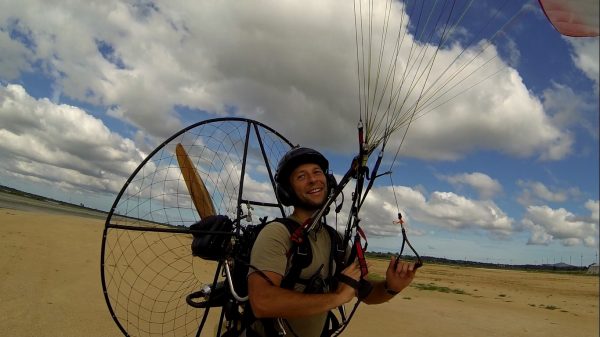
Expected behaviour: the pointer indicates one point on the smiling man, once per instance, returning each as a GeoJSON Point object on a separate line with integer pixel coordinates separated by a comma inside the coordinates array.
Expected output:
{"type": "Point", "coordinates": [292, 286]}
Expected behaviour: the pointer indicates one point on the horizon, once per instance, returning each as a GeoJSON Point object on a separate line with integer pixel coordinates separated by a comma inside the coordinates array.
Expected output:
{"type": "Point", "coordinates": [371, 249]}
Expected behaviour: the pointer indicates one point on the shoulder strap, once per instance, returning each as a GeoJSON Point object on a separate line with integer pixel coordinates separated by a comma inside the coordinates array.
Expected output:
{"type": "Point", "coordinates": [300, 254]}
{"type": "Point", "coordinates": [338, 251]}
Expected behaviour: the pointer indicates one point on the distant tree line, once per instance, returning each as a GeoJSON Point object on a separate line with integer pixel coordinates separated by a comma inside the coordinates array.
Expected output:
{"type": "Point", "coordinates": [440, 260]}
{"type": "Point", "coordinates": [24, 194]}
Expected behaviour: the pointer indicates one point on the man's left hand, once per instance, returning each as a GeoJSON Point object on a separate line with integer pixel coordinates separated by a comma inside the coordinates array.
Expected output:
{"type": "Point", "coordinates": [400, 275]}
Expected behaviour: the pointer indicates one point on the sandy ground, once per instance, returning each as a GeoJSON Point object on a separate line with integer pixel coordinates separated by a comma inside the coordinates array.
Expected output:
{"type": "Point", "coordinates": [50, 286]}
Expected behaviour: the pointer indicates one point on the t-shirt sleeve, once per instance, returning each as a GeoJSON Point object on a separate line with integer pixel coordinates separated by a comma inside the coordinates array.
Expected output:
{"type": "Point", "coordinates": [269, 252]}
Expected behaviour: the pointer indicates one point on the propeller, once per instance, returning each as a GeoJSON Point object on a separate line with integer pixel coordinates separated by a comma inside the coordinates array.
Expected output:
{"type": "Point", "coordinates": [200, 196]}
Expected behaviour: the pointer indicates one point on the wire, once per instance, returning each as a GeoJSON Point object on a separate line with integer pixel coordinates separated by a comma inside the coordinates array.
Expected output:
{"type": "Point", "coordinates": [399, 83]}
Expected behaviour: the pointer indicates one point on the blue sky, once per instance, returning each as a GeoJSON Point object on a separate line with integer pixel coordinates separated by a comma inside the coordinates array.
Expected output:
{"type": "Point", "coordinates": [505, 172]}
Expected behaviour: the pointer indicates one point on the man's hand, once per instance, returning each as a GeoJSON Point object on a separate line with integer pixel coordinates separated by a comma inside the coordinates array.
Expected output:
{"type": "Point", "coordinates": [399, 276]}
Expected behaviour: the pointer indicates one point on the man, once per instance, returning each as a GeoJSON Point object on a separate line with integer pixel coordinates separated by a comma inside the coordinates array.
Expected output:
{"type": "Point", "coordinates": [303, 182]}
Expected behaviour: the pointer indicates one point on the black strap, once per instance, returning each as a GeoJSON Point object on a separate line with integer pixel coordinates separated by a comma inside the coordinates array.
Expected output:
{"type": "Point", "coordinates": [337, 255]}
{"type": "Point", "coordinates": [363, 287]}
{"type": "Point", "coordinates": [349, 281]}
{"type": "Point", "coordinates": [331, 324]}
{"type": "Point", "coordinates": [301, 255]}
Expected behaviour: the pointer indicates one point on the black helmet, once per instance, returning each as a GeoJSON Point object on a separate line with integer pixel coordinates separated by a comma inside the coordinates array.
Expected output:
{"type": "Point", "coordinates": [294, 158]}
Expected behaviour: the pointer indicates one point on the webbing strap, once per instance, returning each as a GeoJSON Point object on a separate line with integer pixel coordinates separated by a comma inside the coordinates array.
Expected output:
{"type": "Point", "coordinates": [363, 287]}
{"type": "Point", "coordinates": [300, 252]}
{"type": "Point", "coordinates": [360, 252]}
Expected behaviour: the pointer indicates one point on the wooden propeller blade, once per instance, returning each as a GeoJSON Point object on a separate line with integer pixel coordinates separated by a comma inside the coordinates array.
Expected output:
{"type": "Point", "coordinates": [200, 197]}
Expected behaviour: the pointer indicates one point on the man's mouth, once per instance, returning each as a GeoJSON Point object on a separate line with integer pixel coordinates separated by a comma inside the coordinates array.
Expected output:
{"type": "Point", "coordinates": [315, 190]}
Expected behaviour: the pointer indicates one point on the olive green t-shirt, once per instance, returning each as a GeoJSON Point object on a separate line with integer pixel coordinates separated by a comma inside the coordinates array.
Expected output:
{"type": "Point", "coordinates": [269, 253]}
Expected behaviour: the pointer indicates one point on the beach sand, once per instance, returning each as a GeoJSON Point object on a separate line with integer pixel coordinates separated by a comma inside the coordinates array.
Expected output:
{"type": "Point", "coordinates": [50, 286]}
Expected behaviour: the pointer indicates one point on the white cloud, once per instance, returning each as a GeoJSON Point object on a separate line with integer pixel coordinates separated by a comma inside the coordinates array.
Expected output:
{"type": "Point", "coordinates": [585, 55]}
{"type": "Point", "coordinates": [443, 210]}
{"type": "Point", "coordinates": [482, 183]}
{"type": "Point", "coordinates": [535, 192]}
{"type": "Point", "coordinates": [15, 58]}
{"type": "Point", "coordinates": [547, 224]}
{"type": "Point", "coordinates": [61, 144]}
{"type": "Point", "coordinates": [459, 212]}
{"type": "Point", "coordinates": [498, 114]}
{"type": "Point", "coordinates": [568, 108]}
{"type": "Point", "coordinates": [594, 207]}
{"type": "Point", "coordinates": [564, 105]}
{"type": "Point", "coordinates": [268, 61]}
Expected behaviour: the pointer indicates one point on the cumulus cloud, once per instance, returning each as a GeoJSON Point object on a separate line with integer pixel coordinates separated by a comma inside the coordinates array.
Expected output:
{"type": "Point", "coordinates": [16, 58]}
{"type": "Point", "coordinates": [443, 210]}
{"type": "Point", "coordinates": [268, 61]}
{"type": "Point", "coordinates": [61, 144]}
{"type": "Point", "coordinates": [585, 55]}
{"type": "Point", "coordinates": [547, 224]}
{"type": "Point", "coordinates": [594, 207]}
{"type": "Point", "coordinates": [535, 192]}
{"type": "Point", "coordinates": [482, 183]}
{"type": "Point", "coordinates": [568, 108]}
{"type": "Point", "coordinates": [490, 118]}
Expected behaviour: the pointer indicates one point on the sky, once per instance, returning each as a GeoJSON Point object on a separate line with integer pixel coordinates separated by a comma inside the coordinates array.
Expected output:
{"type": "Point", "coordinates": [504, 172]}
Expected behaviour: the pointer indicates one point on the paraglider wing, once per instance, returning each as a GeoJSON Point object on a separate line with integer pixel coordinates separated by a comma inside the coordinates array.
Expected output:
{"type": "Point", "coordinates": [200, 196]}
{"type": "Point", "coordinates": [578, 18]}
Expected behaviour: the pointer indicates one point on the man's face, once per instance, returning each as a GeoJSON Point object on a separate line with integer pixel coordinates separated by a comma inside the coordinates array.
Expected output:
{"type": "Point", "coordinates": [309, 183]}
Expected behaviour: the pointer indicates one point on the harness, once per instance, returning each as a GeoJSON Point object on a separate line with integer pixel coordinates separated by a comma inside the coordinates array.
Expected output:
{"type": "Point", "coordinates": [300, 256]}
{"type": "Point", "coordinates": [209, 243]}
